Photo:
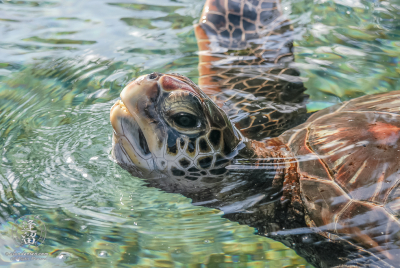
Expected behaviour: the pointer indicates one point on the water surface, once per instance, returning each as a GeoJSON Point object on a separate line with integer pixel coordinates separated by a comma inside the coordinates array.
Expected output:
{"type": "Point", "coordinates": [63, 65]}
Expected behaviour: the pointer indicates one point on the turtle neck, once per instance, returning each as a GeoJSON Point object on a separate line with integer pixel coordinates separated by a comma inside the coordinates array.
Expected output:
{"type": "Point", "coordinates": [260, 189]}
{"type": "Point", "coordinates": [270, 192]}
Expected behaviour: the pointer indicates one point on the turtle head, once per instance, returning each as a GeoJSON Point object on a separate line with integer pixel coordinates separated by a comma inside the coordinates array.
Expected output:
{"type": "Point", "coordinates": [165, 125]}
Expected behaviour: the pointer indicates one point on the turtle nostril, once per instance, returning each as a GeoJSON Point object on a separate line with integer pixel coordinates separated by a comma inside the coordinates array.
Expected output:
{"type": "Point", "coordinates": [153, 76]}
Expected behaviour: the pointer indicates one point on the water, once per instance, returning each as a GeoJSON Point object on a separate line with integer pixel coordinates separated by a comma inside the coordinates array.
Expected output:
{"type": "Point", "coordinates": [342, 44]}
{"type": "Point", "coordinates": [63, 65]}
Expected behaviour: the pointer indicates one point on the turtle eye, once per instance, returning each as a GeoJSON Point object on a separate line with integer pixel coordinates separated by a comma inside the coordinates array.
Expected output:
{"type": "Point", "coordinates": [153, 76]}
{"type": "Point", "coordinates": [185, 120]}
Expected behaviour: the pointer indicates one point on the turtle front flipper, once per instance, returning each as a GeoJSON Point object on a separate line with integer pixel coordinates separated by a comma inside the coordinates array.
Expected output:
{"type": "Point", "coordinates": [245, 56]}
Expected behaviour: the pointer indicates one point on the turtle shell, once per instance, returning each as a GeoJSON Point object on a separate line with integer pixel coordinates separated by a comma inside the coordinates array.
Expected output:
{"type": "Point", "coordinates": [348, 164]}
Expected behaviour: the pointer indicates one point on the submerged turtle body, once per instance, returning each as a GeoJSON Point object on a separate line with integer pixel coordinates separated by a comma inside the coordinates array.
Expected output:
{"type": "Point", "coordinates": [348, 169]}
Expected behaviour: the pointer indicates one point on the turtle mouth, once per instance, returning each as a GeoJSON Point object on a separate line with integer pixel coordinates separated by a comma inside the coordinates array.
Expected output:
{"type": "Point", "coordinates": [130, 129]}
{"type": "Point", "coordinates": [142, 142]}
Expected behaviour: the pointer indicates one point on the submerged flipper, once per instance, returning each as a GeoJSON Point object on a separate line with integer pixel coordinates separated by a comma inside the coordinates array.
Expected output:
{"type": "Point", "coordinates": [245, 56]}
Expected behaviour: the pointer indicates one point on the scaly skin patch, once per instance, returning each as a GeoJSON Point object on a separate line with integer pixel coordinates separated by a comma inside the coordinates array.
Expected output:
{"type": "Point", "coordinates": [171, 84]}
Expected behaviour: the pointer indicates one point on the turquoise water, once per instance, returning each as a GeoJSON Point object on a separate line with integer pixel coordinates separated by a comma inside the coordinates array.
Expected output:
{"type": "Point", "coordinates": [63, 65]}
{"type": "Point", "coordinates": [346, 49]}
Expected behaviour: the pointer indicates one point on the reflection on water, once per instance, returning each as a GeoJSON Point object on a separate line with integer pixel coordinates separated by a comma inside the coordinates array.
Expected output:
{"type": "Point", "coordinates": [62, 66]}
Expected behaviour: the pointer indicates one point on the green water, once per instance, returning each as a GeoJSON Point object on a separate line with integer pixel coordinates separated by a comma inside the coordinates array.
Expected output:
{"type": "Point", "coordinates": [63, 65]}
{"type": "Point", "coordinates": [346, 49]}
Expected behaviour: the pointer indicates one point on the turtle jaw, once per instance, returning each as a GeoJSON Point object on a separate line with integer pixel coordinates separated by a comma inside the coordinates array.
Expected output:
{"type": "Point", "coordinates": [130, 147]}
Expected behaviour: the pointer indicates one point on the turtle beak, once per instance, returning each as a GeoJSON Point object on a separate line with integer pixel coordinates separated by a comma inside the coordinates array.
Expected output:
{"type": "Point", "coordinates": [140, 99]}
{"type": "Point", "coordinates": [134, 137]}
{"type": "Point", "coordinates": [129, 144]}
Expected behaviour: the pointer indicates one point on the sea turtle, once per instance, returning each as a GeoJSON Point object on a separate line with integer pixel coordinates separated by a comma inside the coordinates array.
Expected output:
{"type": "Point", "coordinates": [332, 183]}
